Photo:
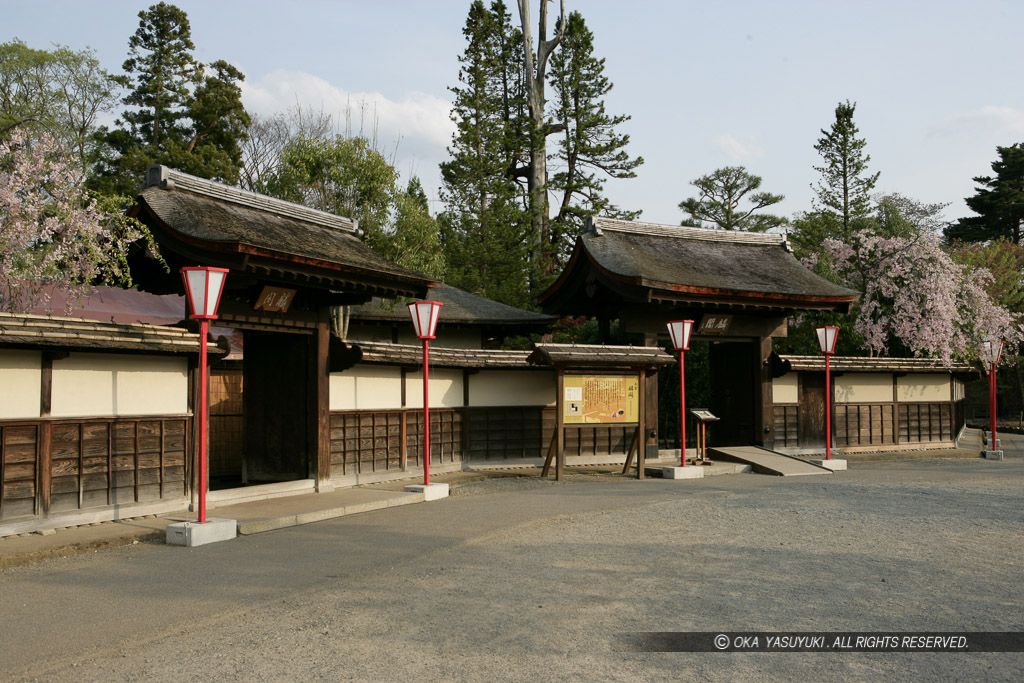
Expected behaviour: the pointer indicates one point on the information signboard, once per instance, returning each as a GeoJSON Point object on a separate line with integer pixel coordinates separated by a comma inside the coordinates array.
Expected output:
{"type": "Point", "coordinates": [601, 399]}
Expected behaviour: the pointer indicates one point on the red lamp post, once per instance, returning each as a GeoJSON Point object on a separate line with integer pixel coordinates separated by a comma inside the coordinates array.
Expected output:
{"type": "Point", "coordinates": [203, 286]}
{"type": "Point", "coordinates": [679, 331]}
{"type": "Point", "coordinates": [991, 352]}
{"type": "Point", "coordinates": [827, 343]}
{"type": "Point", "coordinates": [424, 321]}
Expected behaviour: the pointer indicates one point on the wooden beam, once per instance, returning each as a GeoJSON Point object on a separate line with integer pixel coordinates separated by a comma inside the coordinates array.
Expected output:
{"type": "Point", "coordinates": [320, 415]}
{"type": "Point", "coordinates": [44, 465]}
{"type": "Point", "coordinates": [551, 455]}
{"type": "Point", "coordinates": [641, 440]}
{"type": "Point", "coordinates": [560, 427]}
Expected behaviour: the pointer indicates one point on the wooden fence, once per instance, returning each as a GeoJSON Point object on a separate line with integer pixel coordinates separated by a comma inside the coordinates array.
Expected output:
{"type": "Point", "coordinates": [382, 441]}
{"type": "Point", "coordinates": [50, 466]}
{"type": "Point", "coordinates": [877, 424]}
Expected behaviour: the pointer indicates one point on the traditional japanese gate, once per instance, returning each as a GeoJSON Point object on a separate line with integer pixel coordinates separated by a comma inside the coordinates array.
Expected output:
{"type": "Point", "coordinates": [290, 266]}
{"type": "Point", "coordinates": [739, 288]}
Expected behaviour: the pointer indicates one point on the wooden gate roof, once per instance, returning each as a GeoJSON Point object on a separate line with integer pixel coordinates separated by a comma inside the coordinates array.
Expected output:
{"type": "Point", "coordinates": [617, 261]}
{"type": "Point", "coordinates": [200, 221]}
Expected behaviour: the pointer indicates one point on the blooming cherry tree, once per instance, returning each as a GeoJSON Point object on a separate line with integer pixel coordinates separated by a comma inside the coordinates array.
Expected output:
{"type": "Point", "coordinates": [914, 294]}
{"type": "Point", "coordinates": [51, 232]}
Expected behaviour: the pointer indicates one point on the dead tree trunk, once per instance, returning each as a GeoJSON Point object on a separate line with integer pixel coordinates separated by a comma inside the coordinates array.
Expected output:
{"type": "Point", "coordinates": [537, 177]}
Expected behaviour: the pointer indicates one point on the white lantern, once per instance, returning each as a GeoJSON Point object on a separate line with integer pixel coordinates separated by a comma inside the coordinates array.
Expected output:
{"type": "Point", "coordinates": [203, 286]}
{"type": "Point", "coordinates": [991, 352]}
{"type": "Point", "coordinates": [424, 317]}
{"type": "Point", "coordinates": [679, 330]}
{"type": "Point", "coordinates": [827, 338]}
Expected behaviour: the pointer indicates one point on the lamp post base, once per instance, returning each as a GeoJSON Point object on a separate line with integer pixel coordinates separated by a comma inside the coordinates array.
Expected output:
{"type": "Point", "coordinates": [682, 472]}
{"type": "Point", "coordinates": [834, 464]}
{"type": "Point", "coordinates": [191, 534]}
{"type": "Point", "coordinates": [429, 491]}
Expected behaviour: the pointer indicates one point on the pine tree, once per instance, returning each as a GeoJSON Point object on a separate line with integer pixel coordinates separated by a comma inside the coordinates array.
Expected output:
{"type": "Point", "coordinates": [998, 202]}
{"type": "Point", "coordinates": [721, 193]}
{"type": "Point", "coordinates": [178, 114]}
{"type": "Point", "coordinates": [844, 190]}
{"type": "Point", "coordinates": [589, 148]}
{"type": "Point", "coordinates": [485, 228]}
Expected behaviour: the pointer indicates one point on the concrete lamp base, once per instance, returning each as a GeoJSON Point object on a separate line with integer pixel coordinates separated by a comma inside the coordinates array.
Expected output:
{"type": "Point", "coordinates": [191, 534]}
{"type": "Point", "coordinates": [834, 464]}
{"type": "Point", "coordinates": [429, 491]}
{"type": "Point", "coordinates": [689, 472]}
{"type": "Point", "coordinates": [992, 455]}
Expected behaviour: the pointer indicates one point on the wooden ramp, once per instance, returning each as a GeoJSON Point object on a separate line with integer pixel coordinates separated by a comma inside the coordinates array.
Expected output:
{"type": "Point", "coordinates": [766, 462]}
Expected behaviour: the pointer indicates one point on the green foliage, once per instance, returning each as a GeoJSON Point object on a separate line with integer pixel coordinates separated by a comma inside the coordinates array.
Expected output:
{"type": "Point", "coordinates": [58, 92]}
{"type": "Point", "coordinates": [721, 193]}
{"type": "Point", "coordinates": [998, 202]}
{"type": "Point", "coordinates": [180, 114]}
{"type": "Point", "coordinates": [844, 190]}
{"type": "Point", "coordinates": [485, 228]}
{"type": "Point", "coordinates": [1004, 260]}
{"type": "Point", "coordinates": [345, 176]}
{"type": "Point", "coordinates": [416, 240]}
{"type": "Point", "coordinates": [589, 149]}
{"type": "Point", "coordinates": [349, 176]}
{"type": "Point", "coordinates": [490, 227]}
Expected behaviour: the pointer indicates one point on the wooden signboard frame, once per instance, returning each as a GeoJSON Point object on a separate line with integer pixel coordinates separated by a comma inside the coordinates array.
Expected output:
{"type": "Point", "coordinates": [556, 451]}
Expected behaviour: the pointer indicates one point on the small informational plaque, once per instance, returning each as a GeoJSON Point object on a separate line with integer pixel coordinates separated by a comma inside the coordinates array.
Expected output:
{"type": "Point", "coordinates": [274, 299]}
{"type": "Point", "coordinates": [714, 324]}
{"type": "Point", "coordinates": [601, 399]}
{"type": "Point", "coordinates": [703, 415]}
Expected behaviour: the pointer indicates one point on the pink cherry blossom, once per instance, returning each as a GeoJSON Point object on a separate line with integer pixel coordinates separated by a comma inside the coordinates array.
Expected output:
{"type": "Point", "coordinates": [914, 292]}
{"type": "Point", "coordinates": [51, 231]}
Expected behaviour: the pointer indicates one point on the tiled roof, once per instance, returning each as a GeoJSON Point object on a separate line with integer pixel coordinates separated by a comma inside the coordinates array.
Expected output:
{"type": "Point", "coordinates": [412, 355]}
{"type": "Point", "coordinates": [459, 307]}
{"type": "Point", "coordinates": [857, 364]}
{"type": "Point", "coordinates": [36, 331]}
{"type": "Point", "coordinates": [269, 235]}
{"type": "Point", "coordinates": [599, 356]}
{"type": "Point", "coordinates": [697, 266]}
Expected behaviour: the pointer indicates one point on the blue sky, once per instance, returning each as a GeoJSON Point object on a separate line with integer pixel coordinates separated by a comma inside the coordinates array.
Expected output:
{"type": "Point", "coordinates": [937, 84]}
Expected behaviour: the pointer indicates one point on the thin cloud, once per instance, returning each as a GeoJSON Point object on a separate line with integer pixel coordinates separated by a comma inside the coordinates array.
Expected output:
{"type": "Point", "coordinates": [416, 129]}
{"type": "Point", "coordinates": [988, 120]}
{"type": "Point", "coordinates": [738, 151]}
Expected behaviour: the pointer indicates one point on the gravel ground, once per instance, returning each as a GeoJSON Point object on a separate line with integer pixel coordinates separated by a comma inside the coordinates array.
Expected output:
{"type": "Point", "coordinates": [539, 580]}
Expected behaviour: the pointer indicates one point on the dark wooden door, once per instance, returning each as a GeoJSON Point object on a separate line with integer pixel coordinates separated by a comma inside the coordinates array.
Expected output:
{"type": "Point", "coordinates": [275, 407]}
{"type": "Point", "coordinates": [811, 411]}
{"type": "Point", "coordinates": [733, 385]}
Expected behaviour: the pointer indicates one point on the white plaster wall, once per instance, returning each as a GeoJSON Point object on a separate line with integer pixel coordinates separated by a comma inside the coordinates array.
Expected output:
{"type": "Point", "coordinates": [20, 377]}
{"type": "Point", "coordinates": [785, 389]}
{"type": "Point", "coordinates": [923, 388]}
{"type": "Point", "coordinates": [100, 384]}
{"type": "Point", "coordinates": [367, 387]}
{"type": "Point", "coordinates": [864, 388]}
{"type": "Point", "coordinates": [445, 388]}
{"type": "Point", "coordinates": [512, 388]}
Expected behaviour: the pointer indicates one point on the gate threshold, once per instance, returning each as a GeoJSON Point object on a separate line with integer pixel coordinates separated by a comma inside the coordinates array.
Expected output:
{"type": "Point", "coordinates": [764, 461]}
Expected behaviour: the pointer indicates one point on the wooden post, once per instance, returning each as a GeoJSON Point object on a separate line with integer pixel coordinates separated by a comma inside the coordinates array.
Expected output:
{"type": "Point", "coordinates": [641, 440]}
{"type": "Point", "coordinates": [633, 444]}
{"type": "Point", "coordinates": [44, 465]}
{"type": "Point", "coordinates": [551, 455]}
{"type": "Point", "coordinates": [764, 407]}
{"type": "Point", "coordinates": [320, 415]}
{"type": "Point", "coordinates": [560, 427]}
